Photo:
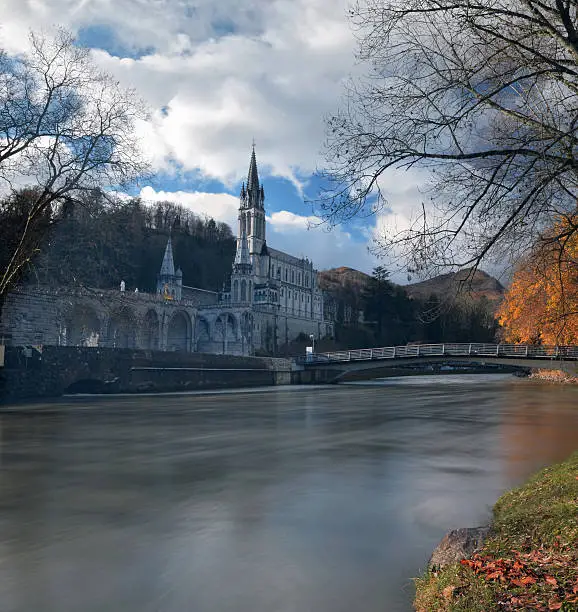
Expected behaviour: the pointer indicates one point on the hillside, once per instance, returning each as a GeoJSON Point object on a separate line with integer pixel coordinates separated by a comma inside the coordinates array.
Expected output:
{"type": "Point", "coordinates": [385, 314]}
{"type": "Point", "coordinates": [335, 280]}
{"type": "Point", "coordinates": [479, 285]}
{"type": "Point", "coordinates": [331, 280]}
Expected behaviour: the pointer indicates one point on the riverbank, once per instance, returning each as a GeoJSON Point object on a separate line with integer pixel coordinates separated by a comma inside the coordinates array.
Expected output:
{"type": "Point", "coordinates": [555, 376]}
{"type": "Point", "coordinates": [528, 562]}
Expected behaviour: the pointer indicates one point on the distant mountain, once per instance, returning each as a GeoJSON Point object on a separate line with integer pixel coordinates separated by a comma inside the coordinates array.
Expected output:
{"type": "Point", "coordinates": [478, 285]}
{"type": "Point", "coordinates": [331, 280]}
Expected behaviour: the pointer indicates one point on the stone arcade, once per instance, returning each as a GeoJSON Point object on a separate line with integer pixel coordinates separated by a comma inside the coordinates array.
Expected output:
{"type": "Point", "coordinates": [273, 297]}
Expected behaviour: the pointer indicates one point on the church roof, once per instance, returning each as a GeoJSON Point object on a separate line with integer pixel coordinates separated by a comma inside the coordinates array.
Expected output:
{"type": "Point", "coordinates": [291, 259]}
{"type": "Point", "coordinates": [168, 265]}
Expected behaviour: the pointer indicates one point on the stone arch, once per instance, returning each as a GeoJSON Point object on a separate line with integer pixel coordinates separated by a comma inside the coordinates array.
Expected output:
{"type": "Point", "coordinates": [179, 332]}
{"type": "Point", "coordinates": [225, 330]}
{"type": "Point", "coordinates": [202, 335]}
{"type": "Point", "coordinates": [83, 327]}
{"type": "Point", "coordinates": [246, 332]}
{"type": "Point", "coordinates": [150, 331]}
{"type": "Point", "coordinates": [122, 329]}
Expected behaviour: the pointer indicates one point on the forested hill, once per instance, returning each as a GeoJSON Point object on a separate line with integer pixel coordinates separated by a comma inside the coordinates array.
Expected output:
{"type": "Point", "coordinates": [99, 243]}
{"type": "Point", "coordinates": [342, 282]}
{"type": "Point", "coordinates": [476, 285]}
{"type": "Point", "coordinates": [373, 310]}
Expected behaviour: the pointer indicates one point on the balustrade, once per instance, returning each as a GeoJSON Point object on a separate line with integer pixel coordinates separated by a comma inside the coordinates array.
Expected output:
{"type": "Point", "coordinates": [447, 350]}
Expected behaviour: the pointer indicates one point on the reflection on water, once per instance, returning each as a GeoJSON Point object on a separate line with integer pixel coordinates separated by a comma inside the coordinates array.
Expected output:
{"type": "Point", "coordinates": [289, 500]}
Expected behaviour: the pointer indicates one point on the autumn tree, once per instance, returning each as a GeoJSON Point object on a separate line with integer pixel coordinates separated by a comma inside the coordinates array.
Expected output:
{"type": "Point", "coordinates": [541, 305]}
{"type": "Point", "coordinates": [65, 128]}
{"type": "Point", "coordinates": [482, 96]}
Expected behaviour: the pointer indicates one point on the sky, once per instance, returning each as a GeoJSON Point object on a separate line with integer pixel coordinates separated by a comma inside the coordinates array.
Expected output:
{"type": "Point", "coordinates": [218, 75]}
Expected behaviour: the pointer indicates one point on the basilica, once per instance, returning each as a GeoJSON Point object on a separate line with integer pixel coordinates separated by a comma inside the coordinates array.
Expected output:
{"type": "Point", "coordinates": [273, 298]}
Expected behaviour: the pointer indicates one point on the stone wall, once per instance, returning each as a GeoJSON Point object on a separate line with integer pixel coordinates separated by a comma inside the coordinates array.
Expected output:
{"type": "Point", "coordinates": [275, 330]}
{"type": "Point", "coordinates": [31, 373]}
{"type": "Point", "coordinates": [41, 316]}
{"type": "Point", "coordinates": [115, 319]}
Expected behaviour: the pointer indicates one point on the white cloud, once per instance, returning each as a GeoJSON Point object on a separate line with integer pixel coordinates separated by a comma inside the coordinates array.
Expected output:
{"type": "Point", "coordinates": [225, 73]}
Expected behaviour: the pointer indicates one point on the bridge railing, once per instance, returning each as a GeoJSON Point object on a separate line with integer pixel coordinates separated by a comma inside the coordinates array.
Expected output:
{"type": "Point", "coordinates": [444, 350]}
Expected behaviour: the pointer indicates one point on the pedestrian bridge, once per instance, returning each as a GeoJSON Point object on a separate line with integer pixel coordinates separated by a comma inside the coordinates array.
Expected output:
{"type": "Point", "coordinates": [334, 366]}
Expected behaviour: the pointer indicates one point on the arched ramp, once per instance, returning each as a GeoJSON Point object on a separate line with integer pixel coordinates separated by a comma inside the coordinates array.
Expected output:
{"type": "Point", "coordinates": [179, 332]}
{"type": "Point", "coordinates": [122, 329]}
{"type": "Point", "coordinates": [83, 327]}
{"type": "Point", "coordinates": [150, 331]}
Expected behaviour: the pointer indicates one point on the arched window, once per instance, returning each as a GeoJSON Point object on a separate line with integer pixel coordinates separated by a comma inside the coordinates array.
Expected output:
{"type": "Point", "coordinates": [243, 290]}
{"type": "Point", "coordinates": [236, 291]}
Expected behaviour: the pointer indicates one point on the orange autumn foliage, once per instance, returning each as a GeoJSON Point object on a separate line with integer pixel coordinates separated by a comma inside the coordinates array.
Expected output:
{"type": "Point", "coordinates": [541, 305]}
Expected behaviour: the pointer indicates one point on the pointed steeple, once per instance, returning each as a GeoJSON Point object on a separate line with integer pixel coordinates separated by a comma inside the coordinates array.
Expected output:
{"type": "Point", "coordinates": [168, 265]}
{"type": "Point", "coordinates": [253, 176]}
{"type": "Point", "coordinates": [242, 255]}
{"type": "Point", "coordinates": [169, 283]}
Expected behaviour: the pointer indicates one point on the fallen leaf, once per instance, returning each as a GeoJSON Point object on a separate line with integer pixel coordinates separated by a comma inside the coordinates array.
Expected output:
{"type": "Point", "coordinates": [448, 591]}
{"type": "Point", "coordinates": [551, 580]}
{"type": "Point", "coordinates": [494, 575]}
{"type": "Point", "coordinates": [554, 605]}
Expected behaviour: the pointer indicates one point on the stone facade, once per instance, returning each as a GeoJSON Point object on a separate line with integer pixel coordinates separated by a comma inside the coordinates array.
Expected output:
{"type": "Point", "coordinates": [273, 298]}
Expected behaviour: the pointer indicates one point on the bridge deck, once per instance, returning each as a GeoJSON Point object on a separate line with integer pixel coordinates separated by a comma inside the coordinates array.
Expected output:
{"type": "Point", "coordinates": [514, 351]}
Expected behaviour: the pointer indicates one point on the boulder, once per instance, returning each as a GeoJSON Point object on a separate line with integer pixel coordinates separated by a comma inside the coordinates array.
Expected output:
{"type": "Point", "coordinates": [458, 544]}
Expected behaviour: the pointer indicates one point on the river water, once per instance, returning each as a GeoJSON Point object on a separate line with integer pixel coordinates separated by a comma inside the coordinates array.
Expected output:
{"type": "Point", "coordinates": [278, 500]}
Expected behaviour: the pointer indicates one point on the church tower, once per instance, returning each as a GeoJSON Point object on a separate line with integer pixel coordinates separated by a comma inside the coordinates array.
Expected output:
{"type": "Point", "coordinates": [169, 282]}
{"type": "Point", "coordinates": [252, 210]}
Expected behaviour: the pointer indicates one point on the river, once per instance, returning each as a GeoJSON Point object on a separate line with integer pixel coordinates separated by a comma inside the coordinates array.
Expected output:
{"type": "Point", "coordinates": [302, 499]}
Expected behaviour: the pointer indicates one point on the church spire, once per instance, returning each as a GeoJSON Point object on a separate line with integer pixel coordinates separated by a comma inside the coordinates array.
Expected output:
{"type": "Point", "coordinates": [169, 283]}
{"type": "Point", "coordinates": [168, 265]}
{"type": "Point", "coordinates": [253, 176]}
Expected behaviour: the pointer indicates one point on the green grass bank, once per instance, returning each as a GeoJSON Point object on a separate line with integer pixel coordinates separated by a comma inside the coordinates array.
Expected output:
{"type": "Point", "coordinates": [528, 562]}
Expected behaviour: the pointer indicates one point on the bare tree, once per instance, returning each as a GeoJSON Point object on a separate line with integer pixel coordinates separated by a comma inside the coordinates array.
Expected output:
{"type": "Point", "coordinates": [65, 127]}
{"type": "Point", "coordinates": [483, 95]}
